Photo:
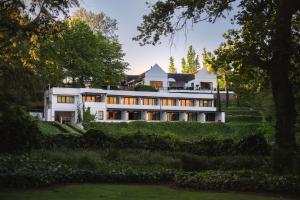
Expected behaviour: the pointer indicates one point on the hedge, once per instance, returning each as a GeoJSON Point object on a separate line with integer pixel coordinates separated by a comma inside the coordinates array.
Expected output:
{"type": "Point", "coordinates": [95, 139]}
{"type": "Point", "coordinates": [41, 173]}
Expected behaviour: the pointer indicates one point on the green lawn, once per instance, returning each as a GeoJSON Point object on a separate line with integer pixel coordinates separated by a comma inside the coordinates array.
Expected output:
{"type": "Point", "coordinates": [125, 192]}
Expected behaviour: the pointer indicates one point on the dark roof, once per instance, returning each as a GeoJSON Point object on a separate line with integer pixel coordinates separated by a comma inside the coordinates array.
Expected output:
{"type": "Point", "coordinates": [135, 78]}
{"type": "Point", "coordinates": [181, 77]}
{"type": "Point", "coordinates": [132, 77]}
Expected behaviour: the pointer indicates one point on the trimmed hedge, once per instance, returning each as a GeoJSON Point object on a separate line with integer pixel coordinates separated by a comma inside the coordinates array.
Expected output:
{"type": "Point", "coordinates": [23, 172]}
{"type": "Point", "coordinates": [243, 180]}
{"type": "Point", "coordinates": [95, 139]}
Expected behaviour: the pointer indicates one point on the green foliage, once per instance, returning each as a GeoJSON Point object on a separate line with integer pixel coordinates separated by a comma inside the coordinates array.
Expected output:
{"type": "Point", "coordinates": [172, 68]}
{"type": "Point", "coordinates": [243, 180]}
{"type": "Point", "coordinates": [18, 131]}
{"type": "Point", "coordinates": [145, 88]}
{"type": "Point", "coordinates": [184, 68]}
{"type": "Point", "coordinates": [85, 57]}
{"type": "Point", "coordinates": [95, 139]}
{"type": "Point", "coordinates": [87, 117]}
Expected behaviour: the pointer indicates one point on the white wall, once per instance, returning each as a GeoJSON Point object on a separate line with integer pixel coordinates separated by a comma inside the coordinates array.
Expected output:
{"type": "Point", "coordinates": [156, 73]}
{"type": "Point", "coordinates": [204, 76]}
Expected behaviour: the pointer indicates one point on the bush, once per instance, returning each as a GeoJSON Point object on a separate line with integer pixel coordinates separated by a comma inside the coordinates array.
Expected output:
{"type": "Point", "coordinates": [200, 163]}
{"type": "Point", "coordinates": [243, 180]}
{"type": "Point", "coordinates": [253, 145]}
{"type": "Point", "coordinates": [145, 88]}
{"type": "Point", "coordinates": [18, 130]}
{"type": "Point", "coordinates": [93, 139]}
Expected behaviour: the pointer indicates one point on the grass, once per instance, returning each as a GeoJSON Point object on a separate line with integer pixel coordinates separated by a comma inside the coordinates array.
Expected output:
{"type": "Point", "coordinates": [125, 192]}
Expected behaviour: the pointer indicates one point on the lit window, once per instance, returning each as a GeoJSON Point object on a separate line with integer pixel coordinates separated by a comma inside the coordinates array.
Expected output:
{"type": "Point", "coordinates": [65, 99]}
{"type": "Point", "coordinates": [112, 100]}
{"type": "Point", "coordinates": [156, 84]}
{"type": "Point", "coordinates": [149, 101]}
{"type": "Point", "coordinates": [186, 102]}
{"type": "Point", "coordinates": [168, 102]}
{"type": "Point", "coordinates": [92, 98]}
{"type": "Point", "coordinates": [130, 101]}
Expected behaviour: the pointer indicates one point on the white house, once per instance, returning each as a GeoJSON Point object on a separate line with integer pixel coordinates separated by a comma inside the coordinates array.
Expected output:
{"type": "Point", "coordinates": [183, 97]}
{"type": "Point", "coordinates": [67, 104]}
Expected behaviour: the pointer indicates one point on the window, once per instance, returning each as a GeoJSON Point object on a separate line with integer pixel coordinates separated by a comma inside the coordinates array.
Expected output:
{"type": "Point", "coordinates": [186, 102]}
{"type": "Point", "coordinates": [156, 84]}
{"type": "Point", "coordinates": [206, 85]}
{"type": "Point", "coordinates": [99, 115]}
{"type": "Point", "coordinates": [112, 100]}
{"type": "Point", "coordinates": [114, 115]}
{"type": "Point", "coordinates": [152, 116]}
{"type": "Point", "coordinates": [65, 99]}
{"type": "Point", "coordinates": [192, 116]}
{"type": "Point", "coordinates": [173, 116]}
{"type": "Point", "coordinates": [130, 101]}
{"type": "Point", "coordinates": [92, 98]}
{"type": "Point", "coordinates": [168, 102]}
{"type": "Point", "coordinates": [205, 103]}
{"type": "Point", "coordinates": [149, 101]}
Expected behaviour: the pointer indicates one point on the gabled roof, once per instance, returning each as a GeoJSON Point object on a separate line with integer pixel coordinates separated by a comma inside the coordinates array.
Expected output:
{"type": "Point", "coordinates": [181, 77]}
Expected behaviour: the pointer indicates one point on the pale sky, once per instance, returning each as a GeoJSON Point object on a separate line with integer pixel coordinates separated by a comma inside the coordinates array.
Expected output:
{"type": "Point", "coordinates": [129, 15]}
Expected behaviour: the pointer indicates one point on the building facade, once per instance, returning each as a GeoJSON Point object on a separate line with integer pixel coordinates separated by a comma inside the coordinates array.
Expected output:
{"type": "Point", "coordinates": [68, 104]}
{"type": "Point", "coordinates": [179, 97]}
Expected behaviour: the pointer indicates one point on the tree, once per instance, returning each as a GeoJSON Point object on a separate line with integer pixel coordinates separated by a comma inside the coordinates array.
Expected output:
{"type": "Point", "coordinates": [83, 57]}
{"type": "Point", "coordinates": [184, 68]}
{"type": "Point", "coordinates": [266, 22]}
{"type": "Point", "coordinates": [172, 68]}
{"type": "Point", "coordinates": [191, 60]}
{"type": "Point", "coordinates": [100, 22]}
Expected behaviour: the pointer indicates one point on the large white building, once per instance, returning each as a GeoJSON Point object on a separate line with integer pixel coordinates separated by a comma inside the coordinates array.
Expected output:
{"type": "Point", "coordinates": [181, 97]}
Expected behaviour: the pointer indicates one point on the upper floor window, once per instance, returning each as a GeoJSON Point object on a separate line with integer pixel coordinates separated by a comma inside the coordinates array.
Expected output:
{"type": "Point", "coordinates": [130, 100]}
{"type": "Point", "coordinates": [65, 99]}
{"type": "Point", "coordinates": [186, 102]}
{"type": "Point", "coordinates": [112, 100]}
{"type": "Point", "coordinates": [92, 98]}
{"type": "Point", "coordinates": [168, 102]}
{"type": "Point", "coordinates": [205, 103]}
{"type": "Point", "coordinates": [149, 101]}
{"type": "Point", "coordinates": [206, 85]}
{"type": "Point", "coordinates": [156, 84]}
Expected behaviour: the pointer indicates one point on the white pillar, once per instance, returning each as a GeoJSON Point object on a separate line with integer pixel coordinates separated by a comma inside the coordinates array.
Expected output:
{"type": "Point", "coordinates": [201, 117]}
{"type": "Point", "coordinates": [177, 102]}
{"type": "Point", "coordinates": [140, 102]}
{"type": "Point", "coordinates": [164, 116]}
{"type": "Point", "coordinates": [144, 115]}
{"type": "Point", "coordinates": [196, 103]}
{"type": "Point", "coordinates": [183, 116]}
{"type": "Point", "coordinates": [124, 115]}
{"type": "Point", "coordinates": [120, 99]}
{"type": "Point", "coordinates": [220, 117]}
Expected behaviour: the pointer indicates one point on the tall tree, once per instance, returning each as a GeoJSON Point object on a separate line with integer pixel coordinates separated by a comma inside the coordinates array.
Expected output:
{"type": "Point", "coordinates": [184, 68]}
{"type": "Point", "coordinates": [83, 57]}
{"type": "Point", "coordinates": [191, 60]}
{"type": "Point", "coordinates": [275, 36]}
{"type": "Point", "coordinates": [172, 68]}
{"type": "Point", "coordinates": [98, 22]}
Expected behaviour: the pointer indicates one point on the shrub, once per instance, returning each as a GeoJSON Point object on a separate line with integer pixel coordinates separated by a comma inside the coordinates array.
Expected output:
{"type": "Point", "coordinates": [18, 130]}
{"type": "Point", "coordinates": [93, 139]}
{"type": "Point", "coordinates": [243, 180]}
{"type": "Point", "coordinates": [145, 88]}
{"type": "Point", "coordinates": [253, 145]}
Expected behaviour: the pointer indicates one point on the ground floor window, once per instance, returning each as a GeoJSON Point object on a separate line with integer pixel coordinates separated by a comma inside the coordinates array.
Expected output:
{"type": "Point", "coordinates": [210, 117]}
{"type": "Point", "coordinates": [65, 116]}
{"type": "Point", "coordinates": [152, 116]}
{"type": "Point", "coordinates": [134, 115]}
{"type": "Point", "coordinates": [99, 115]}
{"type": "Point", "coordinates": [113, 115]}
{"type": "Point", "coordinates": [192, 116]}
{"type": "Point", "coordinates": [173, 116]}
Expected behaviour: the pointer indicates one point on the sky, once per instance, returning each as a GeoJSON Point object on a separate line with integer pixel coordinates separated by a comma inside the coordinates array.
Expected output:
{"type": "Point", "coordinates": [129, 14]}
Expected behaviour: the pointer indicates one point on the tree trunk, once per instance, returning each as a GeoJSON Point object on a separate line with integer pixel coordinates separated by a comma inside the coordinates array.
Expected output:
{"type": "Point", "coordinates": [281, 85]}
